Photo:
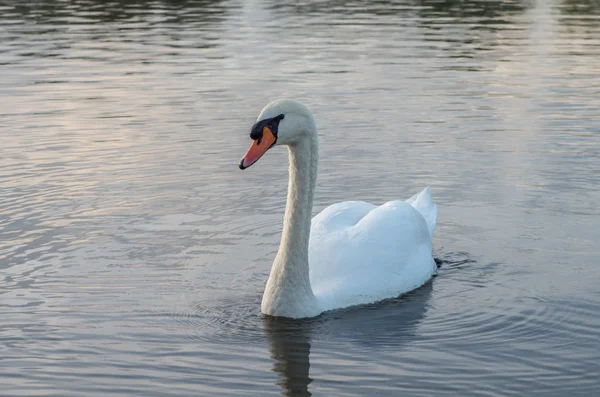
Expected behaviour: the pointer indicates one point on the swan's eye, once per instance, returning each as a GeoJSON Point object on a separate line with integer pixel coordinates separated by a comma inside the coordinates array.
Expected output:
{"type": "Point", "coordinates": [272, 124]}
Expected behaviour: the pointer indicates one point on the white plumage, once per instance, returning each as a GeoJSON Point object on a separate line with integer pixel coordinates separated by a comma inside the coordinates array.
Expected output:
{"type": "Point", "coordinates": [359, 253]}
{"type": "Point", "coordinates": [351, 253]}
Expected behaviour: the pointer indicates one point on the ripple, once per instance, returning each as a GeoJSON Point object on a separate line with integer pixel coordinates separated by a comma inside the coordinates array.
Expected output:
{"type": "Point", "coordinates": [133, 252]}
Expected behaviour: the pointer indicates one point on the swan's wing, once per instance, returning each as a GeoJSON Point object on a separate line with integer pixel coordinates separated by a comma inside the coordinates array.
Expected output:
{"type": "Point", "coordinates": [339, 216]}
{"type": "Point", "coordinates": [359, 253]}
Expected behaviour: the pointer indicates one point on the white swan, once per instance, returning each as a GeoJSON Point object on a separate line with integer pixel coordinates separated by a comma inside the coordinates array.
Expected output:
{"type": "Point", "coordinates": [358, 253]}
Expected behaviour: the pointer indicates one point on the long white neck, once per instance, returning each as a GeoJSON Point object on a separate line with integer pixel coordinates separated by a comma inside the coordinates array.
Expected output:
{"type": "Point", "coordinates": [288, 292]}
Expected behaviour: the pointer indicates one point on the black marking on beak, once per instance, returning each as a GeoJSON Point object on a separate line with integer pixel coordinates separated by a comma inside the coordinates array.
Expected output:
{"type": "Point", "coordinates": [256, 133]}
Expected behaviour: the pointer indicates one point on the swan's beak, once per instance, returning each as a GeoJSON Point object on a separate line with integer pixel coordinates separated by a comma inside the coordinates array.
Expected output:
{"type": "Point", "coordinates": [258, 148]}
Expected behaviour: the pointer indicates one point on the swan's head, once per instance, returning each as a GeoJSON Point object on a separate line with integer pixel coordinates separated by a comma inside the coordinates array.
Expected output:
{"type": "Point", "coordinates": [281, 122]}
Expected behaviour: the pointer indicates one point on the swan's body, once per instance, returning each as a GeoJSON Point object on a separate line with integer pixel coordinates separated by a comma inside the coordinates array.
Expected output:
{"type": "Point", "coordinates": [353, 252]}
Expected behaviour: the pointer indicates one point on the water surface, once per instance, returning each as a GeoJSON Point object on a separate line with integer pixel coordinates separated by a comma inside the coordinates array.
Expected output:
{"type": "Point", "coordinates": [133, 252]}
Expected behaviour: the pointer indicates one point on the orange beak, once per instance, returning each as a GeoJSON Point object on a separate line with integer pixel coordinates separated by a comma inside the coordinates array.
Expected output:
{"type": "Point", "coordinates": [258, 148]}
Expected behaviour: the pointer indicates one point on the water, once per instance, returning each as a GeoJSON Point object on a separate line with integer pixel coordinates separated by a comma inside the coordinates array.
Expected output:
{"type": "Point", "coordinates": [133, 252]}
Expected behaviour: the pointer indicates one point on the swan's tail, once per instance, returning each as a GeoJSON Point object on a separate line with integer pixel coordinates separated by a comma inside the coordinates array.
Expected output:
{"type": "Point", "coordinates": [422, 202]}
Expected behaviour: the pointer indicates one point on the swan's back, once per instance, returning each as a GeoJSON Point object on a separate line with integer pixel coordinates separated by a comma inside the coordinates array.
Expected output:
{"type": "Point", "coordinates": [360, 253]}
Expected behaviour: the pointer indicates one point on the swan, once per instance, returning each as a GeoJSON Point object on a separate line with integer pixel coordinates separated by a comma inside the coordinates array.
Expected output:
{"type": "Point", "coordinates": [351, 253]}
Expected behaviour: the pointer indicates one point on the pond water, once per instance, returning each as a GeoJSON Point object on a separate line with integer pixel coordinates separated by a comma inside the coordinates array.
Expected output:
{"type": "Point", "coordinates": [134, 252]}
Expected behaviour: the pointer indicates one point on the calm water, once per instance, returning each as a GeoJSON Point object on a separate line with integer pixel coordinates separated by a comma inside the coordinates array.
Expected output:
{"type": "Point", "coordinates": [133, 252]}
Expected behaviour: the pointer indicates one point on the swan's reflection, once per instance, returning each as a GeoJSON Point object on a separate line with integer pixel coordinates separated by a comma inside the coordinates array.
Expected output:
{"type": "Point", "coordinates": [390, 324]}
{"type": "Point", "coordinates": [290, 348]}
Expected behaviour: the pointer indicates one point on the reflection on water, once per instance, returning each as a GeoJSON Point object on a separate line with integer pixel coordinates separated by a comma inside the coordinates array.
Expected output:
{"type": "Point", "coordinates": [385, 325]}
{"type": "Point", "coordinates": [133, 253]}
{"type": "Point", "coordinates": [290, 348]}
{"type": "Point", "coordinates": [490, 12]}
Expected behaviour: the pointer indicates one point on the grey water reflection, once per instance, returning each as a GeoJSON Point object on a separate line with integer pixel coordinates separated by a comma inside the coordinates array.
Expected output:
{"type": "Point", "coordinates": [580, 8]}
{"type": "Point", "coordinates": [385, 325]}
{"type": "Point", "coordinates": [290, 348]}
{"type": "Point", "coordinates": [133, 252]}
{"type": "Point", "coordinates": [486, 12]}
{"type": "Point", "coordinates": [183, 11]}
